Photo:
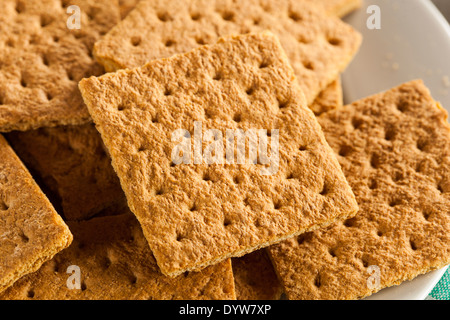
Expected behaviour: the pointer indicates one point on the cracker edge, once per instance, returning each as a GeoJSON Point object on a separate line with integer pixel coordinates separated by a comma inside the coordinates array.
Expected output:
{"type": "Point", "coordinates": [66, 235]}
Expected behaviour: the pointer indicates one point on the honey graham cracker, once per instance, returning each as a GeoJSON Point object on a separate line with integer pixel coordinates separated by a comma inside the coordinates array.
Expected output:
{"type": "Point", "coordinates": [42, 60]}
{"type": "Point", "coordinates": [194, 215]}
{"type": "Point", "coordinates": [31, 232]}
{"type": "Point", "coordinates": [72, 163]}
{"type": "Point", "coordinates": [394, 149]}
{"type": "Point", "coordinates": [318, 45]}
{"type": "Point", "coordinates": [255, 278]}
{"type": "Point", "coordinates": [115, 263]}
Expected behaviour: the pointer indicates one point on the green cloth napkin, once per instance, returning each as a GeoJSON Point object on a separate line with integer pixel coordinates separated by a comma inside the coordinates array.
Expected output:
{"type": "Point", "coordinates": [442, 290]}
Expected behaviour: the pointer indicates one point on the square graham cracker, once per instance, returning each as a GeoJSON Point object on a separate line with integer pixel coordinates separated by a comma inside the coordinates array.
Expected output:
{"type": "Point", "coordinates": [255, 278]}
{"type": "Point", "coordinates": [195, 215]}
{"type": "Point", "coordinates": [394, 149]}
{"type": "Point", "coordinates": [42, 60]}
{"type": "Point", "coordinates": [318, 45]}
{"type": "Point", "coordinates": [71, 162]}
{"type": "Point", "coordinates": [31, 232]}
{"type": "Point", "coordinates": [115, 263]}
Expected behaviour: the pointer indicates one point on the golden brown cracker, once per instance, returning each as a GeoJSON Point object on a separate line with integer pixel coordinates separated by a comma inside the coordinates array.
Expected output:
{"type": "Point", "coordinates": [254, 276]}
{"type": "Point", "coordinates": [319, 46]}
{"type": "Point", "coordinates": [73, 165]}
{"type": "Point", "coordinates": [394, 148]}
{"type": "Point", "coordinates": [31, 232]}
{"type": "Point", "coordinates": [194, 215]}
{"type": "Point", "coordinates": [115, 263]}
{"type": "Point", "coordinates": [42, 60]}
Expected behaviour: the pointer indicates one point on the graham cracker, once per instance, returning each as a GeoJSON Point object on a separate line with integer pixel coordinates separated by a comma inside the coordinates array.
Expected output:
{"type": "Point", "coordinates": [31, 232]}
{"type": "Point", "coordinates": [255, 278]}
{"type": "Point", "coordinates": [41, 60]}
{"type": "Point", "coordinates": [328, 99]}
{"type": "Point", "coordinates": [318, 46]}
{"type": "Point", "coordinates": [71, 162]}
{"type": "Point", "coordinates": [195, 215]}
{"type": "Point", "coordinates": [115, 263]}
{"type": "Point", "coordinates": [394, 148]}
{"type": "Point", "coordinates": [338, 8]}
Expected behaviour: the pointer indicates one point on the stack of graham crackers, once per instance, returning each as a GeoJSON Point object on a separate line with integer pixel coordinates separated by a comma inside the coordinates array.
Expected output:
{"type": "Point", "coordinates": [347, 200]}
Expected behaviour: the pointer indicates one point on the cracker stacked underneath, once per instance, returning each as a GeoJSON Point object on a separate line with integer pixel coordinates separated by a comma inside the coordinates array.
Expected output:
{"type": "Point", "coordinates": [117, 264]}
{"type": "Point", "coordinates": [41, 60]}
{"type": "Point", "coordinates": [318, 46]}
{"type": "Point", "coordinates": [74, 169]}
{"type": "Point", "coordinates": [31, 232]}
{"type": "Point", "coordinates": [394, 149]}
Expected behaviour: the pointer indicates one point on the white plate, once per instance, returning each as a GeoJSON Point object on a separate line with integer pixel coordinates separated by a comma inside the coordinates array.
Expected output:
{"type": "Point", "coordinates": [413, 43]}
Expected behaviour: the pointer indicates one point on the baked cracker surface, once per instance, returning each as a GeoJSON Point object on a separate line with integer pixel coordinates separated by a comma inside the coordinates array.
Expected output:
{"type": "Point", "coordinates": [394, 149]}
{"type": "Point", "coordinates": [31, 232]}
{"type": "Point", "coordinates": [42, 60]}
{"type": "Point", "coordinates": [115, 263]}
{"type": "Point", "coordinates": [318, 45]}
{"type": "Point", "coordinates": [254, 275]}
{"type": "Point", "coordinates": [195, 215]}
